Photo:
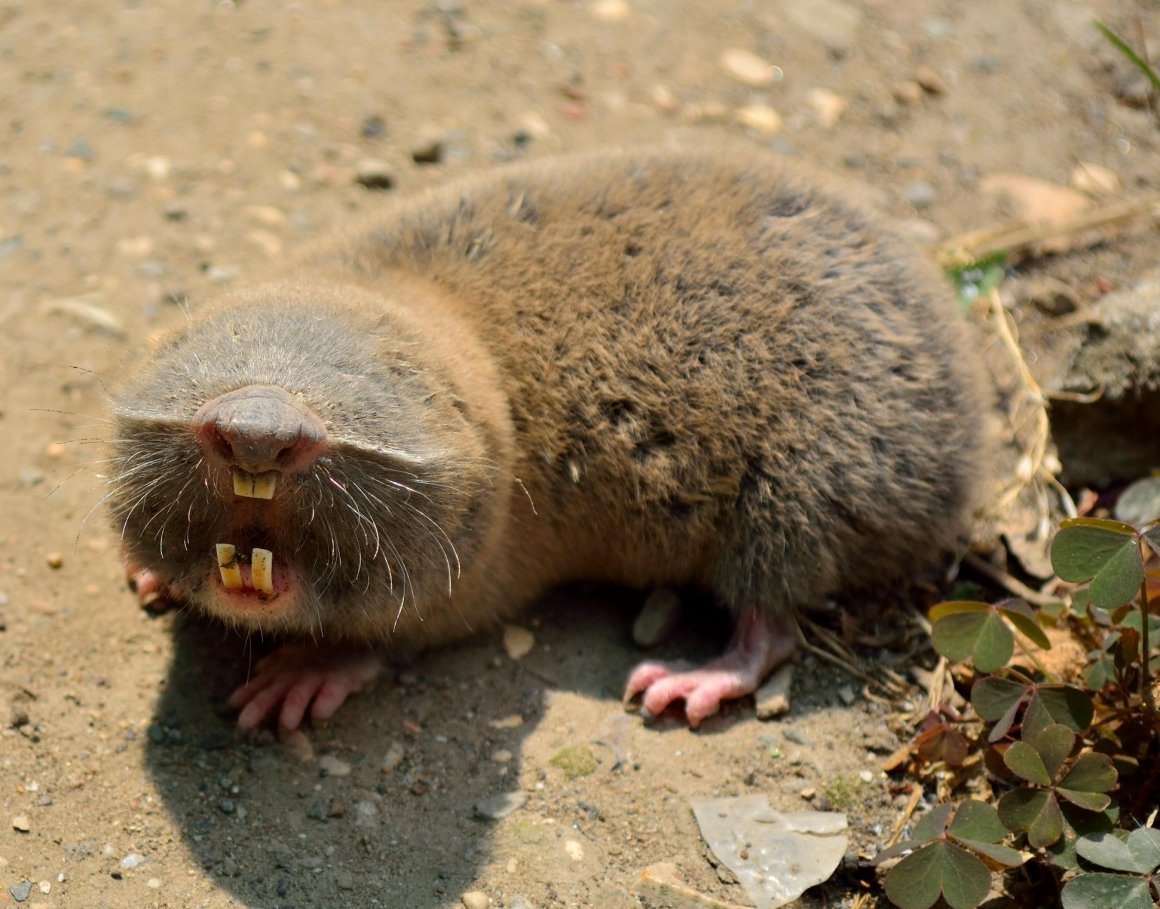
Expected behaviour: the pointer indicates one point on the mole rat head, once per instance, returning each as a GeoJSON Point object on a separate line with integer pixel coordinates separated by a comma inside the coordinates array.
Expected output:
{"type": "Point", "coordinates": [294, 460]}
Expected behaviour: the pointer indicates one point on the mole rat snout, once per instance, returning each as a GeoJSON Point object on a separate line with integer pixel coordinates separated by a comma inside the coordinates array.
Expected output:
{"type": "Point", "coordinates": [259, 432]}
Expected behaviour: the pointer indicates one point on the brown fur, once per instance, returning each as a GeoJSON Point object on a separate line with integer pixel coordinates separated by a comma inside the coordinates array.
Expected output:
{"type": "Point", "coordinates": [657, 367]}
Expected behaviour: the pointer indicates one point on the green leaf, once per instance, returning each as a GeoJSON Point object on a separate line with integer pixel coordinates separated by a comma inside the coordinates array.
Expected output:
{"type": "Point", "coordinates": [993, 696]}
{"type": "Point", "coordinates": [1101, 891]}
{"type": "Point", "coordinates": [954, 607]}
{"type": "Point", "coordinates": [1054, 744]}
{"type": "Point", "coordinates": [1024, 761]}
{"type": "Point", "coordinates": [1023, 618]}
{"type": "Point", "coordinates": [940, 868]}
{"type": "Point", "coordinates": [1138, 852]}
{"type": "Point", "coordinates": [983, 636]}
{"type": "Point", "coordinates": [1103, 552]}
{"type": "Point", "coordinates": [978, 278]}
{"type": "Point", "coordinates": [1099, 671]}
{"type": "Point", "coordinates": [1076, 824]}
{"type": "Point", "coordinates": [976, 820]}
{"type": "Point", "coordinates": [1152, 538]}
{"type": "Point", "coordinates": [1089, 801]}
{"type": "Point", "coordinates": [1134, 58]}
{"type": "Point", "coordinates": [933, 824]}
{"type": "Point", "coordinates": [1034, 811]}
{"type": "Point", "coordinates": [1064, 704]}
{"type": "Point", "coordinates": [1091, 772]}
{"type": "Point", "coordinates": [1139, 504]}
{"type": "Point", "coordinates": [1145, 845]}
{"type": "Point", "coordinates": [1108, 850]}
{"type": "Point", "coordinates": [1000, 855]}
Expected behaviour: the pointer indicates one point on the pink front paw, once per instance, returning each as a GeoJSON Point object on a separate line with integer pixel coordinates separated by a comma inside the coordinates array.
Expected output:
{"type": "Point", "coordinates": [301, 678]}
{"type": "Point", "coordinates": [760, 643]}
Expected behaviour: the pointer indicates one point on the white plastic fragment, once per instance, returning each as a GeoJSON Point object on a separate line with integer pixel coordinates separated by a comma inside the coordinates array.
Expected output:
{"type": "Point", "coordinates": [775, 856]}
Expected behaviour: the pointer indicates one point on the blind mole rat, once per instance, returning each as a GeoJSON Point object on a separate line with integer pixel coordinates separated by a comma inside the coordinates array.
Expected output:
{"type": "Point", "coordinates": [658, 367]}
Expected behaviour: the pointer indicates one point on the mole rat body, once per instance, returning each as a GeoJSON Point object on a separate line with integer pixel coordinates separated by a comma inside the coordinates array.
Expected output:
{"type": "Point", "coordinates": [650, 368]}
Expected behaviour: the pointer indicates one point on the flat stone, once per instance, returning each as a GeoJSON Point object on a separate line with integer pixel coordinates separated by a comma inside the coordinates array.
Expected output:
{"type": "Point", "coordinates": [500, 806]}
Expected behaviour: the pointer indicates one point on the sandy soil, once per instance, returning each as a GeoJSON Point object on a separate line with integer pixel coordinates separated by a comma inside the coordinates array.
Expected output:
{"type": "Point", "coordinates": [150, 152]}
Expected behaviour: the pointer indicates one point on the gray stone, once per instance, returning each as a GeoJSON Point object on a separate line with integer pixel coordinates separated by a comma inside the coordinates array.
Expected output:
{"type": "Point", "coordinates": [1107, 367]}
{"type": "Point", "coordinates": [500, 806]}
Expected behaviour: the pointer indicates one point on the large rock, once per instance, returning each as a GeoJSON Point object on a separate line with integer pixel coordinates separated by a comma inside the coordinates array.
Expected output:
{"type": "Point", "coordinates": [1101, 366]}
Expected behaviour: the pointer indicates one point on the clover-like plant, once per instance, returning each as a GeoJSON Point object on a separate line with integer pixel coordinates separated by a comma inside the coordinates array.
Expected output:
{"type": "Point", "coordinates": [953, 852]}
{"type": "Point", "coordinates": [1129, 881]}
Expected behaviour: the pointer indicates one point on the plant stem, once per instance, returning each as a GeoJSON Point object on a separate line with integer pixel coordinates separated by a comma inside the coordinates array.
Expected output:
{"type": "Point", "coordinates": [1145, 645]}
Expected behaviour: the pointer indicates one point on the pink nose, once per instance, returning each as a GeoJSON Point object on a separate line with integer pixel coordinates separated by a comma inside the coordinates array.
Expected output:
{"type": "Point", "coordinates": [260, 428]}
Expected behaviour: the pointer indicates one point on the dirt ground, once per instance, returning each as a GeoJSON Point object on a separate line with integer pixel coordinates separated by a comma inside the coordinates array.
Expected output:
{"type": "Point", "coordinates": [152, 152]}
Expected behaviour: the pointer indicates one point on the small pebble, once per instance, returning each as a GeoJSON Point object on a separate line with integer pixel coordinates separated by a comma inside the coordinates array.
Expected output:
{"type": "Point", "coordinates": [772, 698]}
{"type": "Point", "coordinates": [428, 148]}
{"type": "Point", "coordinates": [500, 806]}
{"type": "Point", "coordinates": [930, 81]}
{"type": "Point", "coordinates": [866, 776]}
{"type": "Point", "coordinates": [846, 695]}
{"type": "Point", "coordinates": [745, 66]}
{"type": "Point", "coordinates": [332, 766]}
{"type": "Point", "coordinates": [574, 849]}
{"type": "Point", "coordinates": [366, 813]}
{"type": "Point", "coordinates": [828, 106]}
{"type": "Point", "coordinates": [132, 860]}
{"type": "Point", "coordinates": [664, 99]}
{"type": "Point", "coordinates": [373, 127]}
{"type": "Point", "coordinates": [54, 560]}
{"type": "Point", "coordinates": [760, 118]}
{"type": "Point", "coordinates": [374, 174]}
{"type": "Point", "coordinates": [266, 215]}
{"type": "Point", "coordinates": [221, 274]}
{"type": "Point", "coordinates": [20, 823]}
{"type": "Point", "coordinates": [120, 188]}
{"type": "Point", "coordinates": [298, 745]}
{"type": "Point", "coordinates": [30, 476]}
{"type": "Point", "coordinates": [20, 892]}
{"type": "Point", "coordinates": [794, 736]}
{"type": "Point", "coordinates": [920, 194]}
{"type": "Point", "coordinates": [657, 618]}
{"type": "Point", "coordinates": [136, 247]}
{"type": "Point", "coordinates": [89, 313]}
{"type": "Point", "coordinates": [907, 92]}
{"type": "Point", "coordinates": [45, 887]}
{"type": "Point", "coordinates": [319, 810]}
{"type": "Point", "coordinates": [517, 641]}
{"type": "Point", "coordinates": [1095, 179]}
{"type": "Point", "coordinates": [81, 149]}
{"type": "Point", "coordinates": [808, 793]}
{"type": "Point", "coordinates": [392, 758]}
{"type": "Point", "coordinates": [475, 899]}
{"type": "Point", "coordinates": [611, 10]}
{"type": "Point", "coordinates": [344, 879]}
{"type": "Point", "coordinates": [502, 756]}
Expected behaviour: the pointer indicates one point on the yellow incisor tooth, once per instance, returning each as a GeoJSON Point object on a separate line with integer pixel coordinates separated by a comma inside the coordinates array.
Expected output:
{"type": "Point", "coordinates": [244, 483]}
{"type": "Point", "coordinates": [262, 570]}
{"type": "Point", "coordinates": [228, 567]}
{"type": "Point", "coordinates": [264, 484]}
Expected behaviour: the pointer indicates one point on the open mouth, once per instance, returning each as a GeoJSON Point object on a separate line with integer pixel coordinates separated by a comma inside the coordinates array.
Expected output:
{"type": "Point", "coordinates": [237, 577]}
{"type": "Point", "coordinates": [253, 573]}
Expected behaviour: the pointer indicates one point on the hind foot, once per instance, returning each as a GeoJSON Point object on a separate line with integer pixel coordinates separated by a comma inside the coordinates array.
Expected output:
{"type": "Point", "coordinates": [300, 678]}
{"type": "Point", "coordinates": [759, 645]}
